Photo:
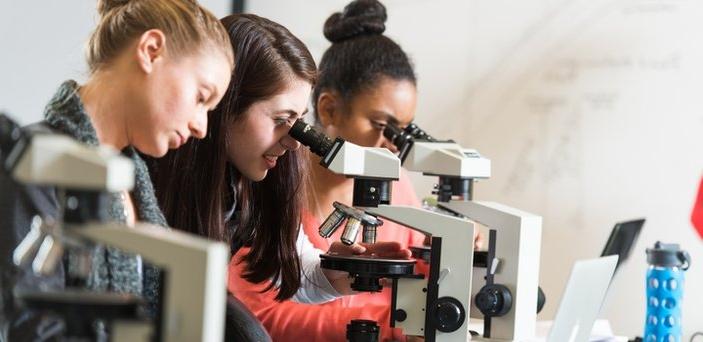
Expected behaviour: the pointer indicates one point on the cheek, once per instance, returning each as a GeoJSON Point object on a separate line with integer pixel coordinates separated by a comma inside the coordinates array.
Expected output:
{"type": "Point", "coordinates": [179, 105]}
{"type": "Point", "coordinates": [362, 133]}
{"type": "Point", "coordinates": [147, 118]}
{"type": "Point", "coordinates": [249, 140]}
{"type": "Point", "coordinates": [375, 138]}
{"type": "Point", "coordinates": [176, 100]}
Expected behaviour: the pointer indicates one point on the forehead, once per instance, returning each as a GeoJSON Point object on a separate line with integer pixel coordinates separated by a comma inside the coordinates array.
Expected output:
{"type": "Point", "coordinates": [213, 68]}
{"type": "Point", "coordinates": [294, 96]}
{"type": "Point", "coordinates": [397, 98]}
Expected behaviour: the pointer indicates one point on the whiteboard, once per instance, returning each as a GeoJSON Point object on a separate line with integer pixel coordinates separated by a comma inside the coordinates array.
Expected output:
{"type": "Point", "coordinates": [591, 112]}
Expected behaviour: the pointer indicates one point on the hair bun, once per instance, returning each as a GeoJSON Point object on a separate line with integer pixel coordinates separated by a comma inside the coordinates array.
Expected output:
{"type": "Point", "coordinates": [105, 6]}
{"type": "Point", "coordinates": [360, 17]}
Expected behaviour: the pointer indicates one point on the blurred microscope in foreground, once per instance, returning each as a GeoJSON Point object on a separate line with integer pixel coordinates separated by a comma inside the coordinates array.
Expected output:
{"type": "Point", "coordinates": [193, 270]}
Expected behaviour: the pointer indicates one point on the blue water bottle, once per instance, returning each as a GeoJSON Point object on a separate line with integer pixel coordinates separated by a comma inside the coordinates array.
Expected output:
{"type": "Point", "coordinates": [667, 264]}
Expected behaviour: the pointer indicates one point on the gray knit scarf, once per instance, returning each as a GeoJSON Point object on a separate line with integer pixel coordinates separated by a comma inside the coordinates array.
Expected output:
{"type": "Point", "coordinates": [112, 270]}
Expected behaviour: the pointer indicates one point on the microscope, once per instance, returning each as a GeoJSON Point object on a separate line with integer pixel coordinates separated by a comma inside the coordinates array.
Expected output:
{"type": "Point", "coordinates": [192, 296]}
{"type": "Point", "coordinates": [435, 305]}
{"type": "Point", "coordinates": [505, 281]}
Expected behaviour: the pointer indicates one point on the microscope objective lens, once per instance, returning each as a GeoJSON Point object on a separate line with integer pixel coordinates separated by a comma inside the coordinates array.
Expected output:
{"type": "Point", "coordinates": [350, 231]}
{"type": "Point", "coordinates": [331, 223]}
{"type": "Point", "coordinates": [369, 234]}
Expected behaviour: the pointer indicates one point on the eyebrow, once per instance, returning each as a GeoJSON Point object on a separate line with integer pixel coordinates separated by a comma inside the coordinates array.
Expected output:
{"type": "Point", "coordinates": [291, 112]}
{"type": "Point", "coordinates": [389, 117]}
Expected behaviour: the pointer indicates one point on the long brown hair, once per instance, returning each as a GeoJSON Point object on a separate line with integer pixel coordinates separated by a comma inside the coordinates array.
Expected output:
{"type": "Point", "coordinates": [193, 183]}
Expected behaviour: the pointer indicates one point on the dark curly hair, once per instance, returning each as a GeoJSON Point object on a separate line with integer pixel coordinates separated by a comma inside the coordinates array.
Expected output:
{"type": "Point", "coordinates": [360, 55]}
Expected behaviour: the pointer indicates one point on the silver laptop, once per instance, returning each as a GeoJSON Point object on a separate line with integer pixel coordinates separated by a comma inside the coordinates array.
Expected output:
{"type": "Point", "coordinates": [582, 299]}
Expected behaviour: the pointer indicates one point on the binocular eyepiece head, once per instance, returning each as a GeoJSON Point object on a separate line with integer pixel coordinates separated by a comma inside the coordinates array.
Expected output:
{"type": "Point", "coordinates": [403, 139]}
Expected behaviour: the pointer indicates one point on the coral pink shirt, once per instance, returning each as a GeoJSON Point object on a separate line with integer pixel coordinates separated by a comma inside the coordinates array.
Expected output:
{"type": "Point", "coordinates": [292, 321]}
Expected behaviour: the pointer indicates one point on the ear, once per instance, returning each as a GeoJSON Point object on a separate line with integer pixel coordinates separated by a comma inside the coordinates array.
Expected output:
{"type": "Point", "coordinates": [328, 109]}
{"type": "Point", "coordinates": [151, 47]}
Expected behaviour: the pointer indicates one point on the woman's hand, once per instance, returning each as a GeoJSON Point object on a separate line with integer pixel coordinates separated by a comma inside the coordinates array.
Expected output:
{"type": "Point", "coordinates": [478, 239]}
{"type": "Point", "coordinates": [385, 249]}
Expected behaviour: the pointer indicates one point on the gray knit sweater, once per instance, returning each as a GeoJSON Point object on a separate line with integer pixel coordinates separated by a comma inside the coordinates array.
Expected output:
{"type": "Point", "coordinates": [112, 269]}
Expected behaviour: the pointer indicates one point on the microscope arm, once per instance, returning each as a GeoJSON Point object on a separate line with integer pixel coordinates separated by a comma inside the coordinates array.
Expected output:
{"type": "Point", "coordinates": [454, 236]}
{"type": "Point", "coordinates": [196, 271]}
{"type": "Point", "coordinates": [518, 249]}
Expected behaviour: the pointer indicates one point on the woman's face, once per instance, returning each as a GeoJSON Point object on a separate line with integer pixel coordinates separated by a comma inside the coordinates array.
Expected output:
{"type": "Point", "coordinates": [175, 100]}
{"type": "Point", "coordinates": [260, 136]}
{"type": "Point", "coordinates": [363, 119]}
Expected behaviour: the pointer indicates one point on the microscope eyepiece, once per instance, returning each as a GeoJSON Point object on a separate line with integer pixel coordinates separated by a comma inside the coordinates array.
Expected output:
{"type": "Point", "coordinates": [417, 133]}
{"type": "Point", "coordinates": [396, 135]}
{"type": "Point", "coordinates": [403, 139]}
{"type": "Point", "coordinates": [317, 141]}
{"type": "Point", "coordinates": [400, 137]}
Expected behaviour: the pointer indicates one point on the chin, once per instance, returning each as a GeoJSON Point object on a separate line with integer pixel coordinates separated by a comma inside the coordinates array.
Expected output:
{"type": "Point", "coordinates": [256, 175]}
{"type": "Point", "coordinates": [155, 150]}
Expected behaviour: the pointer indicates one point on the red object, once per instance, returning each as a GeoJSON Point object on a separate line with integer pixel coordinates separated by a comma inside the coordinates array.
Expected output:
{"type": "Point", "coordinates": [697, 214]}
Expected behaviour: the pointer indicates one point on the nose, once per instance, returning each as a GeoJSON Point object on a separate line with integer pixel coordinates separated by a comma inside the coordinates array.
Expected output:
{"type": "Point", "coordinates": [289, 143]}
{"type": "Point", "coordinates": [198, 126]}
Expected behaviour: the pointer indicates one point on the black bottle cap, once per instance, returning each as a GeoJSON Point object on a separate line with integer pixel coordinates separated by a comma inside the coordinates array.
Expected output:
{"type": "Point", "coordinates": [668, 255]}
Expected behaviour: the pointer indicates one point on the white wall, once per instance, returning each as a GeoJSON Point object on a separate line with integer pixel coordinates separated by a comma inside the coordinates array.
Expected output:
{"type": "Point", "coordinates": [42, 44]}
{"type": "Point", "coordinates": [591, 111]}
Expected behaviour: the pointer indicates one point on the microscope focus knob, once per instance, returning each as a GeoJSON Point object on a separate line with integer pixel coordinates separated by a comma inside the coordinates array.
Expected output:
{"type": "Point", "coordinates": [448, 314]}
{"type": "Point", "coordinates": [494, 300]}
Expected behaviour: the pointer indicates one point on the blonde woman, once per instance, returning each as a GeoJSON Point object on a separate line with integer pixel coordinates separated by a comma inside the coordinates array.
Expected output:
{"type": "Point", "coordinates": [156, 68]}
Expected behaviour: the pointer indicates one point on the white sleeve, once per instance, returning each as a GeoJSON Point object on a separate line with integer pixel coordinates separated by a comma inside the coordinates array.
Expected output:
{"type": "Point", "coordinates": [315, 288]}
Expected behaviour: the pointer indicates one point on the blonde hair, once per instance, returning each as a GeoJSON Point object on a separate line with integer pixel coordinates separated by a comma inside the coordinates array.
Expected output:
{"type": "Point", "coordinates": [188, 27]}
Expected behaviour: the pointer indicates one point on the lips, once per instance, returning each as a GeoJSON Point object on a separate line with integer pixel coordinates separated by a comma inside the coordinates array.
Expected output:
{"type": "Point", "coordinates": [181, 139]}
{"type": "Point", "coordinates": [270, 161]}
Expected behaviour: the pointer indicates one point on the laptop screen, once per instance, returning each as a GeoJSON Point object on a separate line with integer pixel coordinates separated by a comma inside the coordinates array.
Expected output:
{"type": "Point", "coordinates": [622, 238]}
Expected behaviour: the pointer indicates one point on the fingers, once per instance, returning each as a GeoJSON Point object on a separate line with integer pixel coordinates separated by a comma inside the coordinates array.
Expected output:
{"type": "Point", "coordinates": [357, 248]}
{"type": "Point", "coordinates": [478, 240]}
{"type": "Point", "coordinates": [342, 249]}
{"type": "Point", "coordinates": [383, 246]}
{"type": "Point", "coordinates": [388, 249]}
{"type": "Point", "coordinates": [384, 249]}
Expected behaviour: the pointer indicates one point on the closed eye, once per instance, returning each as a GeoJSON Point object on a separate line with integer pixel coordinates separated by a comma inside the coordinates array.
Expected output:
{"type": "Point", "coordinates": [279, 121]}
{"type": "Point", "coordinates": [380, 125]}
{"type": "Point", "coordinates": [203, 98]}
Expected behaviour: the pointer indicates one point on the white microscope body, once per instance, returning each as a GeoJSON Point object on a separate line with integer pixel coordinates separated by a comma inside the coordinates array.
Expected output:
{"type": "Point", "coordinates": [515, 264]}
{"type": "Point", "coordinates": [437, 305]}
{"type": "Point", "coordinates": [194, 289]}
